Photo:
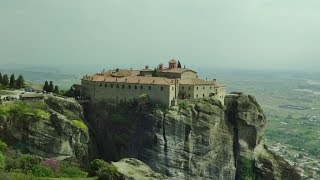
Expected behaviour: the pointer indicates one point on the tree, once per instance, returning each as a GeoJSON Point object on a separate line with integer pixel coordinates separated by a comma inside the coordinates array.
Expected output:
{"type": "Point", "coordinates": [5, 80]}
{"type": "Point", "coordinates": [51, 87]}
{"type": "Point", "coordinates": [179, 64]}
{"type": "Point", "coordinates": [20, 82]}
{"type": "Point", "coordinates": [0, 78]}
{"type": "Point", "coordinates": [56, 89]}
{"type": "Point", "coordinates": [155, 73]}
{"type": "Point", "coordinates": [46, 86]}
{"type": "Point", "coordinates": [12, 81]}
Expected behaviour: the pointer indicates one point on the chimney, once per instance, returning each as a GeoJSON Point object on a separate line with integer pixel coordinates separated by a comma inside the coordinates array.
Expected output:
{"type": "Point", "coordinates": [160, 67]}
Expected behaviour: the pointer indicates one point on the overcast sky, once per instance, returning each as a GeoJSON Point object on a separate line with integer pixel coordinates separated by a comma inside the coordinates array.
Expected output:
{"type": "Point", "coordinates": [210, 33]}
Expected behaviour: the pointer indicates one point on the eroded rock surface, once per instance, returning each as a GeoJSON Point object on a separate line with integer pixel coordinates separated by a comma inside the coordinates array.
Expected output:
{"type": "Point", "coordinates": [199, 139]}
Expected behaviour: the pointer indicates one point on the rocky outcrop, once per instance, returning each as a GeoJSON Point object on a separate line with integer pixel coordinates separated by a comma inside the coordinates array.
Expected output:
{"type": "Point", "coordinates": [134, 169]}
{"type": "Point", "coordinates": [199, 139]}
{"type": "Point", "coordinates": [50, 128]}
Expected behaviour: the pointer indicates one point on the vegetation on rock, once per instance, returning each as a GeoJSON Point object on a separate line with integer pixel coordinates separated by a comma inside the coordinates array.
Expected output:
{"type": "Point", "coordinates": [81, 125]}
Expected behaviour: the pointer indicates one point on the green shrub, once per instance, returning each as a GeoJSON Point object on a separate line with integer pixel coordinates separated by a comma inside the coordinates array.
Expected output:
{"type": "Point", "coordinates": [3, 147]}
{"type": "Point", "coordinates": [81, 125]}
{"type": "Point", "coordinates": [28, 161]}
{"type": "Point", "coordinates": [2, 161]}
{"type": "Point", "coordinates": [12, 164]}
{"type": "Point", "coordinates": [95, 165]}
{"type": "Point", "coordinates": [42, 171]}
{"type": "Point", "coordinates": [16, 176]}
{"type": "Point", "coordinates": [71, 170]}
{"type": "Point", "coordinates": [246, 169]}
{"type": "Point", "coordinates": [109, 172]}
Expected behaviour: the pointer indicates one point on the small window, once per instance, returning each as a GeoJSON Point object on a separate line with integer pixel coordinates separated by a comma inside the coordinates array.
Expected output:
{"type": "Point", "coordinates": [123, 86]}
{"type": "Point", "coordinates": [189, 88]}
{"type": "Point", "coordinates": [161, 88]}
{"type": "Point", "coordinates": [203, 95]}
{"type": "Point", "coordinates": [105, 85]}
{"type": "Point", "coordinates": [135, 87]}
{"type": "Point", "coordinates": [141, 87]}
{"type": "Point", "coordinates": [129, 87]}
{"type": "Point", "coordinates": [197, 88]}
{"type": "Point", "coordinates": [210, 87]}
{"type": "Point", "coordinates": [189, 95]}
{"type": "Point", "coordinates": [111, 85]}
{"type": "Point", "coordinates": [197, 95]}
{"type": "Point", "coordinates": [149, 87]}
{"type": "Point", "coordinates": [204, 87]}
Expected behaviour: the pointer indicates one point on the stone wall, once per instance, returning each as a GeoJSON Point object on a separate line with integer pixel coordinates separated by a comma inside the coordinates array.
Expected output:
{"type": "Point", "coordinates": [117, 92]}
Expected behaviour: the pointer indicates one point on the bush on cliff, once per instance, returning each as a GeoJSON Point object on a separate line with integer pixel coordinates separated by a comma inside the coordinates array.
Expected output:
{"type": "Point", "coordinates": [81, 125]}
{"type": "Point", "coordinates": [109, 172]}
{"type": "Point", "coordinates": [3, 147]}
{"type": "Point", "coordinates": [2, 161]}
{"type": "Point", "coordinates": [104, 170]}
{"type": "Point", "coordinates": [95, 165]}
{"type": "Point", "coordinates": [246, 169]}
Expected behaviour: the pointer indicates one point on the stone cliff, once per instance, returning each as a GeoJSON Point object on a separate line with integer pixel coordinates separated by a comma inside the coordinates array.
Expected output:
{"type": "Point", "coordinates": [50, 128]}
{"type": "Point", "coordinates": [199, 139]}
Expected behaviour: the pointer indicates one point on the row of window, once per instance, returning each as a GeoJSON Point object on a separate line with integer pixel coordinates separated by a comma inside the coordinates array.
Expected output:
{"type": "Point", "coordinates": [196, 88]}
{"type": "Point", "coordinates": [129, 86]}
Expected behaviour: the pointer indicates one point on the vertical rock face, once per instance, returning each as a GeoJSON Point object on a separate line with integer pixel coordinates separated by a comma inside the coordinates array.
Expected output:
{"type": "Point", "coordinates": [199, 139]}
{"type": "Point", "coordinates": [45, 128]}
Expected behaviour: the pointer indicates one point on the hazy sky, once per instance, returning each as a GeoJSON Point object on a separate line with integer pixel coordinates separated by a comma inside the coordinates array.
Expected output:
{"type": "Point", "coordinates": [209, 33]}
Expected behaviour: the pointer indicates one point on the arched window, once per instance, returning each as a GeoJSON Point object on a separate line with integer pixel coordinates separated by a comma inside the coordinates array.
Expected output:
{"type": "Point", "coordinates": [141, 87]}
{"type": "Point", "coordinates": [161, 88]}
{"type": "Point", "coordinates": [135, 87]}
{"type": "Point", "coordinates": [203, 95]}
{"type": "Point", "coordinates": [105, 85]}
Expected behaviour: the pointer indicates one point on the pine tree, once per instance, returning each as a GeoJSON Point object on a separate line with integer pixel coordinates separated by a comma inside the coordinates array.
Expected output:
{"type": "Point", "coordinates": [20, 82]}
{"type": "Point", "coordinates": [51, 87]}
{"type": "Point", "coordinates": [46, 86]}
{"type": "Point", "coordinates": [5, 80]}
{"type": "Point", "coordinates": [155, 73]}
{"type": "Point", "coordinates": [179, 64]}
{"type": "Point", "coordinates": [0, 78]}
{"type": "Point", "coordinates": [56, 89]}
{"type": "Point", "coordinates": [12, 81]}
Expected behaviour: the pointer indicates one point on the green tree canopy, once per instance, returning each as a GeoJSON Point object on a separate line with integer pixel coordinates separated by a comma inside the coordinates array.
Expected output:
{"type": "Point", "coordinates": [0, 78]}
{"type": "Point", "coordinates": [5, 80]}
{"type": "Point", "coordinates": [20, 82]}
{"type": "Point", "coordinates": [12, 81]}
{"type": "Point", "coordinates": [46, 86]}
{"type": "Point", "coordinates": [179, 64]}
{"type": "Point", "coordinates": [56, 89]}
{"type": "Point", "coordinates": [51, 87]}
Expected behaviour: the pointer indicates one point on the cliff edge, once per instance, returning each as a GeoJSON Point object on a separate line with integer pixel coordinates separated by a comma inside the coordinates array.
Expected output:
{"type": "Point", "coordinates": [199, 139]}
